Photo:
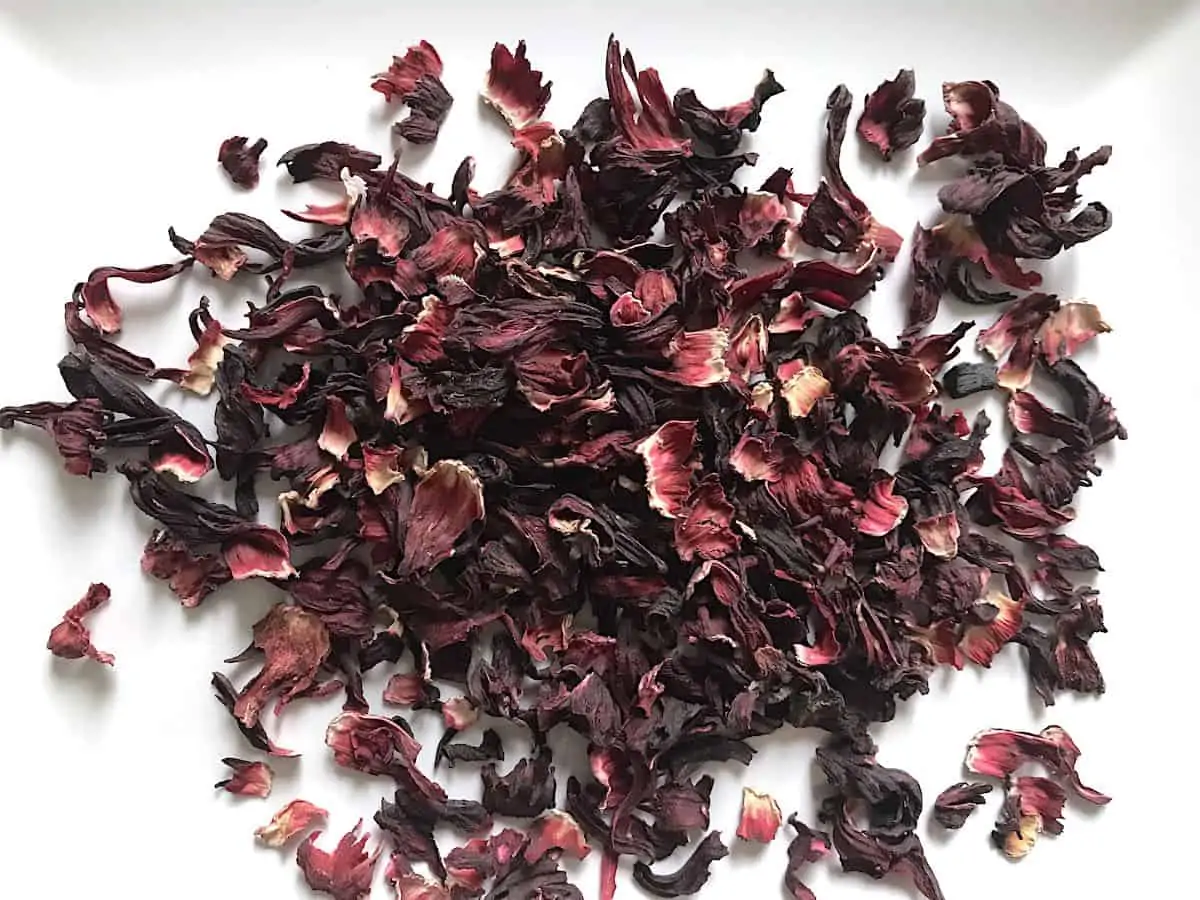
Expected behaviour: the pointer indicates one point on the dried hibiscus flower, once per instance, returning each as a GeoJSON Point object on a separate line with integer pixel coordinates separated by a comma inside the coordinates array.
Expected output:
{"type": "Point", "coordinates": [957, 802]}
{"type": "Point", "coordinates": [1000, 753]}
{"type": "Point", "coordinates": [344, 874]}
{"type": "Point", "coordinates": [546, 463]}
{"type": "Point", "coordinates": [250, 779]}
{"type": "Point", "coordinates": [892, 118]}
{"type": "Point", "coordinates": [70, 638]}
{"type": "Point", "coordinates": [293, 819]}
{"type": "Point", "coordinates": [688, 878]}
{"type": "Point", "coordinates": [416, 80]}
{"type": "Point", "coordinates": [240, 160]}
{"type": "Point", "coordinates": [806, 847]}
{"type": "Point", "coordinates": [1032, 805]}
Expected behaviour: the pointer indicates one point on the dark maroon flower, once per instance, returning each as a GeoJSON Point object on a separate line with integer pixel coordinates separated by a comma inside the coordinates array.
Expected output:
{"type": "Point", "coordinates": [293, 819]}
{"type": "Point", "coordinates": [891, 802]}
{"type": "Point", "coordinates": [806, 847]}
{"type": "Point", "coordinates": [344, 874]}
{"type": "Point", "coordinates": [659, 487]}
{"type": "Point", "coordinates": [527, 790]}
{"type": "Point", "coordinates": [416, 80]}
{"type": "Point", "coordinates": [957, 802]}
{"type": "Point", "coordinates": [326, 160]}
{"type": "Point", "coordinates": [982, 123]}
{"type": "Point", "coordinates": [688, 878]}
{"type": "Point", "coordinates": [514, 88]}
{"type": "Point", "coordinates": [70, 638]}
{"type": "Point", "coordinates": [760, 818]}
{"type": "Point", "coordinates": [97, 300]}
{"type": "Point", "coordinates": [447, 499]}
{"type": "Point", "coordinates": [371, 744]}
{"type": "Point", "coordinates": [249, 779]}
{"type": "Point", "coordinates": [240, 160]}
{"type": "Point", "coordinates": [249, 549]}
{"type": "Point", "coordinates": [77, 429]}
{"type": "Point", "coordinates": [254, 734]}
{"type": "Point", "coordinates": [705, 527]}
{"type": "Point", "coordinates": [656, 126]}
{"type": "Point", "coordinates": [892, 119]}
{"type": "Point", "coordinates": [721, 129]}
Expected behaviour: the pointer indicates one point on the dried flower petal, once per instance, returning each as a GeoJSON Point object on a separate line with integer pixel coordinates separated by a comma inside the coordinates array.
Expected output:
{"type": "Point", "coordinates": [294, 818]}
{"type": "Point", "coordinates": [761, 817]}
{"type": "Point", "coordinates": [250, 779]}
{"type": "Point", "coordinates": [344, 874]}
{"type": "Point", "coordinates": [957, 802]}
{"type": "Point", "coordinates": [70, 638]}
{"type": "Point", "coordinates": [240, 160]}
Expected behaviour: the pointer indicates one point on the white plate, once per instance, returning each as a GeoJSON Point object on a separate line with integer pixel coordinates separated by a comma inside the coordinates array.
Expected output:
{"type": "Point", "coordinates": [112, 115]}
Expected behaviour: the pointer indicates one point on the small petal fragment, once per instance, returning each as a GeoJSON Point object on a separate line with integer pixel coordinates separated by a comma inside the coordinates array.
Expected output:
{"type": "Point", "coordinates": [293, 819]}
{"type": "Point", "coordinates": [761, 817]}
{"type": "Point", "coordinates": [249, 779]}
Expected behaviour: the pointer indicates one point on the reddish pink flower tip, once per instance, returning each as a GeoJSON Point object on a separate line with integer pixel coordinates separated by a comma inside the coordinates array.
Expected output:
{"type": "Point", "coordinates": [70, 638]}
{"type": "Point", "coordinates": [290, 821]}
{"type": "Point", "coordinates": [761, 817]}
{"type": "Point", "coordinates": [249, 779]}
{"type": "Point", "coordinates": [344, 874]}
{"type": "Point", "coordinates": [405, 71]}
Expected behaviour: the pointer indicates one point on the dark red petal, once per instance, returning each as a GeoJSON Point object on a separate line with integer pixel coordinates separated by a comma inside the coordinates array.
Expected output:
{"type": "Point", "coordinates": [102, 310]}
{"type": "Point", "coordinates": [514, 88]}
{"type": "Point", "coordinates": [698, 357]}
{"type": "Point", "coordinates": [801, 385]}
{"type": "Point", "coordinates": [703, 529]}
{"type": "Point", "coordinates": [403, 74]}
{"type": "Point", "coordinates": [447, 499]}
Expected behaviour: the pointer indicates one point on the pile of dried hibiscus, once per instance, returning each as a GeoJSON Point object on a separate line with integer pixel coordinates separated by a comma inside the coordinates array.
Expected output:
{"type": "Point", "coordinates": [596, 476]}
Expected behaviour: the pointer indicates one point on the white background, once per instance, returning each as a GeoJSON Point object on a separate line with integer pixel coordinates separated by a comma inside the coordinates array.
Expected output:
{"type": "Point", "coordinates": [111, 115]}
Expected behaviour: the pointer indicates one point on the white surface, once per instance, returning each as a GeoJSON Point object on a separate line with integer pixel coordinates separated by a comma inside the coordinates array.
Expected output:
{"type": "Point", "coordinates": [112, 114]}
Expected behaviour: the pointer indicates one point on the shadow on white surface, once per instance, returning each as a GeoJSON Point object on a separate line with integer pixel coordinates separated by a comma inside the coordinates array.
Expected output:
{"type": "Point", "coordinates": [92, 684]}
